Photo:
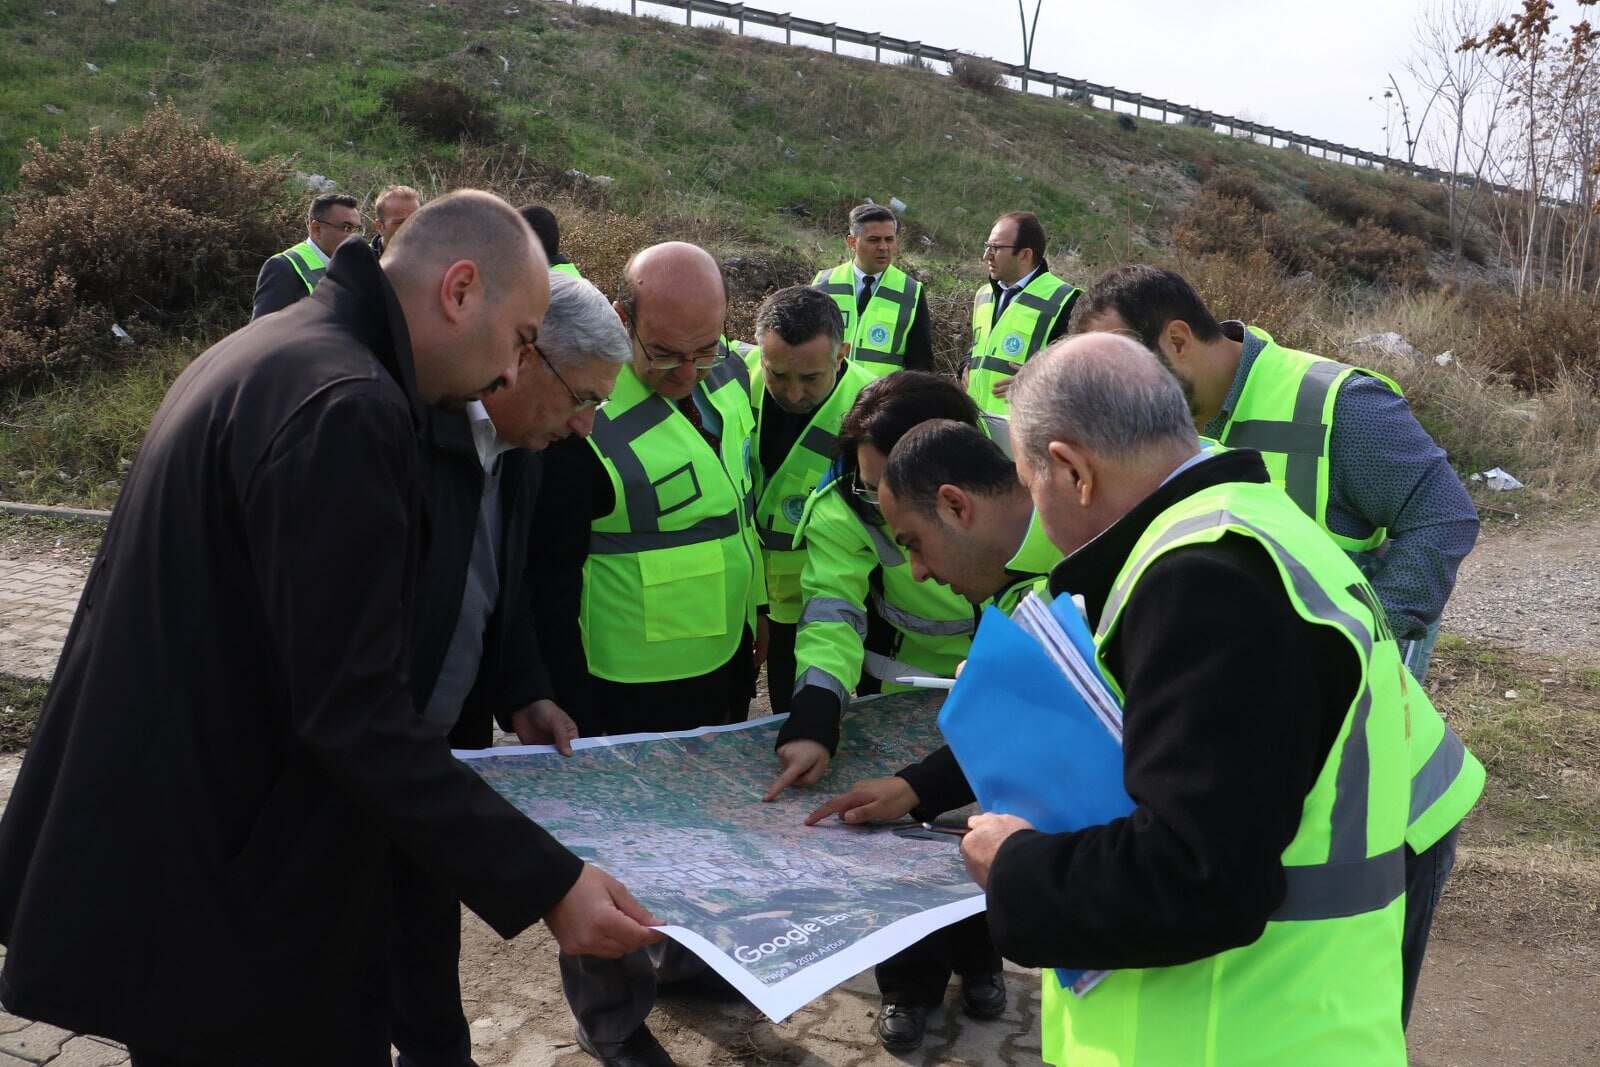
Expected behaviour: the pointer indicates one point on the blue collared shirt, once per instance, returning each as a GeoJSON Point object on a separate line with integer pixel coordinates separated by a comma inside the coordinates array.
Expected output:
{"type": "Point", "coordinates": [1384, 470]}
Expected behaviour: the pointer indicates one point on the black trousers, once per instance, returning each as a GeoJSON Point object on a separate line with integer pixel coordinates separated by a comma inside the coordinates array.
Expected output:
{"type": "Point", "coordinates": [428, 1027]}
{"type": "Point", "coordinates": [780, 663]}
{"type": "Point", "coordinates": [920, 974]}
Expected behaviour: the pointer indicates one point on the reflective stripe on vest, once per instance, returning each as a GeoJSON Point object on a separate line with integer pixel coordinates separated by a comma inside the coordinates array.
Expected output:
{"type": "Point", "coordinates": [999, 349]}
{"type": "Point", "coordinates": [308, 262]}
{"type": "Point", "coordinates": [1292, 431]}
{"type": "Point", "coordinates": [670, 580]}
{"type": "Point", "coordinates": [1319, 986]}
{"type": "Point", "coordinates": [916, 624]}
{"type": "Point", "coordinates": [877, 335]}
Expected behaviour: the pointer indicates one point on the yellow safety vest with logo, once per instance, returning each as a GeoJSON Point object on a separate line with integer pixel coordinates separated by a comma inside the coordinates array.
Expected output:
{"type": "Point", "coordinates": [877, 336]}
{"type": "Point", "coordinates": [1321, 986]}
{"type": "Point", "coordinates": [308, 262]}
{"type": "Point", "coordinates": [999, 349]}
{"type": "Point", "coordinates": [849, 564]}
{"type": "Point", "coordinates": [672, 578]}
{"type": "Point", "coordinates": [781, 500]}
{"type": "Point", "coordinates": [1285, 412]}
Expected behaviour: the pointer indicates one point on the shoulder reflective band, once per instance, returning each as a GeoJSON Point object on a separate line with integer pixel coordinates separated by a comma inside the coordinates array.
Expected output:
{"type": "Point", "coordinates": [1302, 440]}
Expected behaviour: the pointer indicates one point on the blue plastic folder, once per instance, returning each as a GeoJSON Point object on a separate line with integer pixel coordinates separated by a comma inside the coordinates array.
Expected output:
{"type": "Point", "coordinates": [1028, 742]}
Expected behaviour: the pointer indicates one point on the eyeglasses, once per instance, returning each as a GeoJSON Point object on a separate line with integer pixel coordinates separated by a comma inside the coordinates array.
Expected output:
{"type": "Point", "coordinates": [989, 249]}
{"type": "Point", "coordinates": [673, 360]}
{"type": "Point", "coordinates": [578, 402]}
{"type": "Point", "coordinates": [868, 493]}
{"type": "Point", "coordinates": [344, 227]}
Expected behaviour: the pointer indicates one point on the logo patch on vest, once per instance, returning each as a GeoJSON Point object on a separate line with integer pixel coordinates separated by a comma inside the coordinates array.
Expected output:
{"type": "Point", "coordinates": [1012, 345]}
{"type": "Point", "coordinates": [878, 335]}
{"type": "Point", "coordinates": [793, 508]}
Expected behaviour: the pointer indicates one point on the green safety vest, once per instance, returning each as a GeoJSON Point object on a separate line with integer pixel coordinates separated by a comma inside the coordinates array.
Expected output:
{"type": "Point", "coordinates": [1321, 985]}
{"type": "Point", "coordinates": [999, 349]}
{"type": "Point", "coordinates": [1285, 412]}
{"type": "Point", "coordinates": [781, 501]}
{"type": "Point", "coordinates": [308, 262]}
{"type": "Point", "coordinates": [670, 581]}
{"type": "Point", "coordinates": [566, 268]}
{"type": "Point", "coordinates": [848, 565]}
{"type": "Point", "coordinates": [877, 336]}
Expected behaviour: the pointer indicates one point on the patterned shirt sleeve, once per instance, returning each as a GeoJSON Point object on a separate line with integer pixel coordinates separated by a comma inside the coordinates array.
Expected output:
{"type": "Point", "coordinates": [1384, 470]}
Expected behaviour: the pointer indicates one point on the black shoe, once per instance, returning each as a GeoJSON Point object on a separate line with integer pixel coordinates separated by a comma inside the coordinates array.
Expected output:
{"type": "Point", "coordinates": [901, 1027]}
{"type": "Point", "coordinates": [983, 996]}
{"type": "Point", "coordinates": [641, 1049]}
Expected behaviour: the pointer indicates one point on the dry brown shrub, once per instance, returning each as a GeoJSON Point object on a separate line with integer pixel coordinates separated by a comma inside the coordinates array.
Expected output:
{"type": "Point", "coordinates": [443, 111]}
{"type": "Point", "coordinates": [978, 73]}
{"type": "Point", "coordinates": [1294, 309]}
{"type": "Point", "coordinates": [141, 228]}
{"type": "Point", "coordinates": [1544, 339]}
{"type": "Point", "coordinates": [601, 243]}
{"type": "Point", "coordinates": [1238, 185]}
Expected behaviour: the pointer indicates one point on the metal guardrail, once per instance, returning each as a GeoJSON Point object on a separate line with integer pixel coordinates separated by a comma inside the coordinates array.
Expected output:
{"type": "Point", "coordinates": [1077, 88]}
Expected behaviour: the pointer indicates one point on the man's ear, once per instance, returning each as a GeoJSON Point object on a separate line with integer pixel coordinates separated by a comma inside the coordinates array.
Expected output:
{"type": "Point", "coordinates": [622, 313]}
{"type": "Point", "coordinates": [844, 353]}
{"type": "Point", "coordinates": [1076, 469]}
{"type": "Point", "coordinates": [456, 287]}
{"type": "Point", "coordinates": [1178, 339]}
{"type": "Point", "coordinates": [956, 502]}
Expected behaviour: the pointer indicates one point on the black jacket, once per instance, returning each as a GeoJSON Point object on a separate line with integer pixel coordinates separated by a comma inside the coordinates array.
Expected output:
{"type": "Point", "coordinates": [277, 286]}
{"type": "Point", "coordinates": [1232, 705]}
{"type": "Point", "coordinates": [194, 859]}
{"type": "Point", "coordinates": [511, 673]}
{"type": "Point", "coordinates": [919, 335]}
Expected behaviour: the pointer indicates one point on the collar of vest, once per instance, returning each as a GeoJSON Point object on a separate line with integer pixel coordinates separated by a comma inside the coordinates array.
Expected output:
{"type": "Point", "coordinates": [1091, 569]}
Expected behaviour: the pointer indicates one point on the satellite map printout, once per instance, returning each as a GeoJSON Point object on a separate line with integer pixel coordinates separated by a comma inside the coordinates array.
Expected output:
{"type": "Point", "coordinates": [783, 911]}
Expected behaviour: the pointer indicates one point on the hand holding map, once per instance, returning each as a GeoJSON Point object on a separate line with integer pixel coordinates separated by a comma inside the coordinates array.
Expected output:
{"type": "Point", "coordinates": [599, 917]}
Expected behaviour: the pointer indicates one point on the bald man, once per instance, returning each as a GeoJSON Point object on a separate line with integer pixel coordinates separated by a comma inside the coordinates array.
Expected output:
{"type": "Point", "coordinates": [194, 859]}
{"type": "Point", "coordinates": [652, 573]}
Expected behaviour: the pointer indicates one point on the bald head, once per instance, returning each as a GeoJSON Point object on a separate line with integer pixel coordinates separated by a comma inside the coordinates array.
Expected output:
{"type": "Point", "coordinates": [674, 302]}
{"type": "Point", "coordinates": [473, 283]}
{"type": "Point", "coordinates": [466, 225]}
{"type": "Point", "coordinates": [1101, 391]}
{"type": "Point", "coordinates": [674, 272]}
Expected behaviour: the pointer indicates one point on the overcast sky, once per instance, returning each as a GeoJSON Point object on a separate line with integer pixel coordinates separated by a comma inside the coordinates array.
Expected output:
{"type": "Point", "coordinates": [1306, 67]}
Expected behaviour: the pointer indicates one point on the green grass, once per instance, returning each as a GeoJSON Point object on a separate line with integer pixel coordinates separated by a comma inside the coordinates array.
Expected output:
{"type": "Point", "coordinates": [1535, 724]}
{"type": "Point", "coordinates": [20, 701]}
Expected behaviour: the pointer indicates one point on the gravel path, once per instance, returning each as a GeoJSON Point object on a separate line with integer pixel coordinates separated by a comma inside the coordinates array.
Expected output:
{"type": "Point", "coordinates": [1533, 588]}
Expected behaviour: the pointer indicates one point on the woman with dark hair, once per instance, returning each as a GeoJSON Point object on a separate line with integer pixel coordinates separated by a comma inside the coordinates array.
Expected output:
{"type": "Point", "coordinates": [866, 621]}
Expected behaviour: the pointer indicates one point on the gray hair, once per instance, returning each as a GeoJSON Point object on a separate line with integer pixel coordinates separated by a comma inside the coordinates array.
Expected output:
{"type": "Point", "coordinates": [1100, 391]}
{"type": "Point", "coordinates": [581, 325]}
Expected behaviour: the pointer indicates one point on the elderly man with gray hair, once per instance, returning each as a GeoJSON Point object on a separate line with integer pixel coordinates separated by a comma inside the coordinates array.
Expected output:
{"type": "Point", "coordinates": [476, 659]}
{"type": "Point", "coordinates": [1250, 907]}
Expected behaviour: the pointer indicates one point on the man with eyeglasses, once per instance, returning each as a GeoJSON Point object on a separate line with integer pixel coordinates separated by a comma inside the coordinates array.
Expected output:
{"type": "Point", "coordinates": [885, 311]}
{"type": "Point", "coordinates": [1020, 311]}
{"type": "Point", "coordinates": [651, 576]}
{"type": "Point", "coordinates": [294, 272]}
{"type": "Point", "coordinates": [476, 658]}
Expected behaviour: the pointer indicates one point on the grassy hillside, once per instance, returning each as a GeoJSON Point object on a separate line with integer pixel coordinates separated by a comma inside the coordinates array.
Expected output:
{"type": "Point", "coordinates": [752, 142]}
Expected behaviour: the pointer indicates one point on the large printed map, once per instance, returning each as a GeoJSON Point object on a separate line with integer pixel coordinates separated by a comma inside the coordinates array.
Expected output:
{"type": "Point", "coordinates": [783, 911]}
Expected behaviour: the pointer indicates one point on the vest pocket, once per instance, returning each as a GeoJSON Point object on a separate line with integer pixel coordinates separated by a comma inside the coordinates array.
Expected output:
{"type": "Point", "coordinates": [684, 592]}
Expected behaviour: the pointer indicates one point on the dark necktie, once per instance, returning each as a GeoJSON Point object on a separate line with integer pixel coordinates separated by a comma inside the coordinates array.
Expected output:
{"type": "Point", "coordinates": [865, 297]}
{"type": "Point", "coordinates": [691, 411]}
{"type": "Point", "coordinates": [1005, 298]}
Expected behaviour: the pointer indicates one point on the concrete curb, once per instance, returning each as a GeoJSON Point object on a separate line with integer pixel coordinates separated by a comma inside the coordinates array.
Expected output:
{"type": "Point", "coordinates": [54, 511]}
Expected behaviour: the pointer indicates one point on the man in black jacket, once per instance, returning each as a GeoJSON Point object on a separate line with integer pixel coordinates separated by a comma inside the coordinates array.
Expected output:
{"type": "Point", "coordinates": [1219, 772]}
{"type": "Point", "coordinates": [195, 859]}
{"type": "Point", "coordinates": [477, 658]}
{"type": "Point", "coordinates": [292, 274]}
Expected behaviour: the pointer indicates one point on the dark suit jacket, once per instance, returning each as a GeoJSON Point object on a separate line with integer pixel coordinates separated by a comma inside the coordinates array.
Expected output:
{"type": "Point", "coordinates": [511, 673]}
{"type": "Point", "coordinates": [194, 858]}
{"type": "Point", "coordinates": [277, 286]}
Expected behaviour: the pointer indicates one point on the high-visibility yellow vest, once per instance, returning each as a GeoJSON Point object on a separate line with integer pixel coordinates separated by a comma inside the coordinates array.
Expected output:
{"type": "Point", "coordinates": [671, 579]}
{"type": "Point", "coordinates": [1029, 568]}
{"type": "Point", "coordinates": [877, 336]}
{"type": "Point", "coordinates": [999, 349]}
{"type": "Point", "coordinates": [1321, 985]}
{"type": "Point", "coordinates": [568, 267]}
{"type": "Point", "coordinates": [1285, 412]}
{"type": "Point", "coordinates": [308, 262]}
{"type": "Point", "coordinates": [781, 499]}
